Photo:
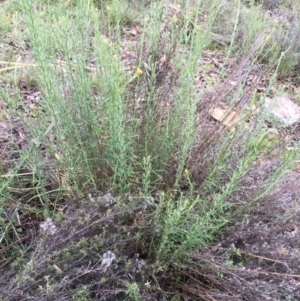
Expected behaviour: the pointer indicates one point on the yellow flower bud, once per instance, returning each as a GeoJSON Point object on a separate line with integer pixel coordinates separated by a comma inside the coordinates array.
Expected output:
{"type": "Point", "coordinates": [138, 71]}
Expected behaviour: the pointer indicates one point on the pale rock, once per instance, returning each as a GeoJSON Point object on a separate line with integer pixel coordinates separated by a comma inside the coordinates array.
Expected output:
{"type": "Point", "coordinates": [283, 109]}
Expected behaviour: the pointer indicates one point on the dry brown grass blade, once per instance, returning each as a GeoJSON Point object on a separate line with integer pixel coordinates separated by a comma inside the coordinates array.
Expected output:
{"type": "Point", "coordinates": [17, 175]}
{"type": "Point", "coordinates": [263, 257]}
{"type": "Point", "coordinates": [18, 65]}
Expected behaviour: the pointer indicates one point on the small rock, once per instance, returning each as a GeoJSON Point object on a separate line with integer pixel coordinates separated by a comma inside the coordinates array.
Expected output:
{"type": "Point", "coordinates": [283, 109]}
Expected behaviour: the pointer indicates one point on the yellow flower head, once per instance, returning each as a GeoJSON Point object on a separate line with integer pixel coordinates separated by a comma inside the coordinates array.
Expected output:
{"type": "Point", "coordinates": [267, 38]}
{"type": "Point", "coordinates": [186, 171]}
{"type": "Point", "coordinates": [93, 7]}
{"type": "Point", "coordinates": [138, 71]}
{"type": "Point", "coordinates": [107, 7]}
{"type": "Point", "coordinates": [174, 19]}
{"type": "Point", "coordinates": [198, 27]}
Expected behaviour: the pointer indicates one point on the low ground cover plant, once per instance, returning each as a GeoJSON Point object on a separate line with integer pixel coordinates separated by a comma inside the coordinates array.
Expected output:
{"type": "Point", "coordinates": [135, 134]}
